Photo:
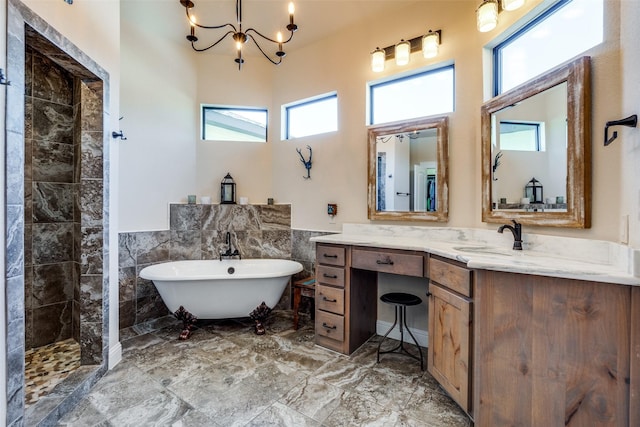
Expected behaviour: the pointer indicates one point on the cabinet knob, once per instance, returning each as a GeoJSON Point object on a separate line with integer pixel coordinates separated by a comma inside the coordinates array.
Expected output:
{"type": "Point", "coordinates": [385, 262]}
{"type": "Point", "coordinates": [328, 299]}
{"type": "Point", "coordinates": [330, 276]}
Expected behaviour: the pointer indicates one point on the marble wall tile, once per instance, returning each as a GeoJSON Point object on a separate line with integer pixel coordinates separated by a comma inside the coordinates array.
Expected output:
{"type": "Point", "coordinates": [91, 254]}
{"type": "Point", "coordinates": [14, 240]}
{"type": "Point", "coordinates": [276, 244]}
{"type": "Point", "coordinates": [304, 251]}
{"type": "Point", "coordinates": [149, 308]}
{"type": "Point", "coordinates": [15, 168]}
{"type": "Point", "coordinates": [28, 286]}
{"type": "Point", "coordinates": [28, 118]}
{"type": "Point", "coordinates": [53, 202]}
{"type": "Point", "coordinates": [274, 217]}
{"type": "Point", "coordinates": [152, 246]}
{"type": "Point", "coordinates": [127, 277]}
{"type": "Point", "coordinates": [28, 71]}
{"type": "Point", "coordinates": [213, 242]}
{"type": "Point", "coordinates": [52, 323]}
{"type": "Point", "coordinates": [185, 245]}
{"type": "Point", "coordinates": [91, 297]}
{"type": "Point", "coordinates": [52, 283]}
{"type": "Point", "coordinates": [90, 343]}
{"type": "Point", "coordinates": [52, 161]}
{"type": "Point", "coordinates": [28, 237]}
{"type": "Point", "coordinates": [91, 157]}
{"type": "Point", "coordinates": [92, 105]}
{"type": "Point", "coordinates": [15, 386]}
{"type": "Point", "coordinates": [52, 243]}
{"type": "Point", "coordinates": [28, 202]}
{"type": "Point", "coordinates": [52, 122]}
{"type": "Point", "coordinates": [185, 217]}
{"type": "Point", "coordinates": [230, 217]}
{"type": "Point", "coordinates": [75, 320]}
{"type": "Point", "coordinates": [127, 254]}
{"type": "Point", "coordinates": [91, 202]}
{"type": "Point", "coordinates": [51, 82]}
{"type": "Point", "coordinates": [127, 314]}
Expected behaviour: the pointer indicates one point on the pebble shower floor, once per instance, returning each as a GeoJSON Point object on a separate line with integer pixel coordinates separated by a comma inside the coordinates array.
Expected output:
{"type": "Point", "coordinates": [47, 366]}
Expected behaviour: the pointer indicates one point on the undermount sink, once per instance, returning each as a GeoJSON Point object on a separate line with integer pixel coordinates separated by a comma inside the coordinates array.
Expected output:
{"type": "Point", "coordinates": [488, 250]}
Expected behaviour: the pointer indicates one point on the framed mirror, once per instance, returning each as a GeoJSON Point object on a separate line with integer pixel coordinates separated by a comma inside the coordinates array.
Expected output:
{"type": "Point", "coordinates": [536, 150]}
{"type": "Point", "coordinates": [408, 170]}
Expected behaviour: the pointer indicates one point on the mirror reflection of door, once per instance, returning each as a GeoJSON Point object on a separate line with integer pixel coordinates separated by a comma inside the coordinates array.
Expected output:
{"type": "Point", "coordinates": [382, 187]}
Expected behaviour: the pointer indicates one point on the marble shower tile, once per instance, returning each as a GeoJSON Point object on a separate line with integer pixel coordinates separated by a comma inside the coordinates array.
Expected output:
{"type": "Point", "coordinates": [52, 283]}
{"type": "Point", "coordinates": [28, 120]}
{"type": "Point", "coordinates": [91, 257]}
{"type": "Point", "coordinates": [52, 161]}
{"type": "Point", "coordinates": [14, 241]}
{"type": "Point", "coordinates": [15, 164]}
{"type": "Point", "coordinates": [91, 155]}
{"type": "Point", "coordinates": [90, 343]}
{"type": "Point", "coordinates": [28, 244]}
{"type": "Point", "coordinates": [15, 386]}
{"type": "Point", "coordinates": [92, 94]}
{"type": "Point", "coordinates": [91, 200]}
{"type": "Point", "coordinates": [53, 202]}
{"type": "Point", "coordinates": [127, 283]}
{"type": "Point", "coordinates": [51, 82]}
{"type": "Point", "coordinates": [52, 243]}
{"type": "Point", "coordinates": [28, 202]}
{"type": "Point", "coordinates": [28, 71]}
{"type": "Point", "coordinates": [91, 297]}
{"type": "Point", "coordinates": [52, 323]}
{"type": "Point", "coordinates": [52, 122]}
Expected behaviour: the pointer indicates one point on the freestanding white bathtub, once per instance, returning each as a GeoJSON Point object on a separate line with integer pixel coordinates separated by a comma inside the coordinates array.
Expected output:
{"type": "Point", "coordinates": [214, 289]}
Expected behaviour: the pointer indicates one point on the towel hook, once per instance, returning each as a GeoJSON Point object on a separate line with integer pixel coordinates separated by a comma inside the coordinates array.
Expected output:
{"type": "Point", "coordinates": [631, 121]}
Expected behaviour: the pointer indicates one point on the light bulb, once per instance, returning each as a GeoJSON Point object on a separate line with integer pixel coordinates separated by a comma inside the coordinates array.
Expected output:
{"type": "Point", "coordinates": [487, 15]}
{"type": "Point", "coordinates": [403, 50]}
{"type": "Point", "coordinates": [430, 44]}
{"type": "Point", "coordinates": [377, 60]}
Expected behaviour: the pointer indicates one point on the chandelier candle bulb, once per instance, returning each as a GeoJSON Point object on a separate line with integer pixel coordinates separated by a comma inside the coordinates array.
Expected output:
{"type": "Point", "coordinates": [292, 9]}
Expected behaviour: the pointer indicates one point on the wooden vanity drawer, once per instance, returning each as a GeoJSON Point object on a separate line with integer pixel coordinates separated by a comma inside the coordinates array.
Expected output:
{"type": "Point", "coordinates": [330, 299]}
{"type": "Point", "coordinates": [452, 276]}
{"type": "Point", "coordinates": [388, 262]}
{"type": "Point", "coordinates": [330, 275]}
{"type": "Point", "coordinates": [330, 325]}
{"type": "Point", "coordinates": [330, 255]}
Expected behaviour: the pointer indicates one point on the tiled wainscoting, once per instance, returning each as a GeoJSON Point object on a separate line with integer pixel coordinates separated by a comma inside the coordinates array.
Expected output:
{"type": "Point", "coordinates": [199, 232]}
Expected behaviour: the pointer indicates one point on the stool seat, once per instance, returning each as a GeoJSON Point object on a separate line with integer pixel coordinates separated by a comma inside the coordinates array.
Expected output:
{"type": "Point", "coordinates": [400, 298]}
{"type": "Point", "coordinates": [401, 301]}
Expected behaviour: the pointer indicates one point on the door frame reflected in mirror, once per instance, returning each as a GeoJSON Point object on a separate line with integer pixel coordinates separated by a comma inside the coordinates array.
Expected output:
{"type": "Point", "coordinates": [441, 125]}
{"type": "Point", "coordinates": [577, 75]}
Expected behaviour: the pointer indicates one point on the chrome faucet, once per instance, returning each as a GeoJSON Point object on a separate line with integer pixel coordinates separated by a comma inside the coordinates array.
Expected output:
{"type": "Point", "coordinates": [516, 230]}
{"type": "Point", "coordinates": [228, 253]}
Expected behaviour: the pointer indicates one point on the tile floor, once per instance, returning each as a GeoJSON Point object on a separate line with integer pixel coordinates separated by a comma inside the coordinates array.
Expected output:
{"type": "Point", "coordinates": [225, 375]}
{"type": "Point", "coordinates": [47, 366]}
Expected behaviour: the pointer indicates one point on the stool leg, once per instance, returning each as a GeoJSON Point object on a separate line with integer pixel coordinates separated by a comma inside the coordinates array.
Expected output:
{"type": "Point", "coordinates": [395, 321]}
{"type": "Point", "coordinates": [414, 340]}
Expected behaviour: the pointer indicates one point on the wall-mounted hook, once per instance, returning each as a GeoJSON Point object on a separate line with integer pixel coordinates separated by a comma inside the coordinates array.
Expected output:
{"type": "Point", "coordinates": [119, 134]}
{"type": "Point", "coordinates": [631, 121]}
{"type": "Point", "coordinates": [307, 163]}
{"type": "Point", "coordinates": [3, 81]}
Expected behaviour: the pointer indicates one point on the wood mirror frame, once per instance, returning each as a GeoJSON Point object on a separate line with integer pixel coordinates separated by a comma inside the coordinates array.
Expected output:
{"type": "Point", "coordinates": [577, 75]}
{"type": "Point", "coordinates": [441, 124]}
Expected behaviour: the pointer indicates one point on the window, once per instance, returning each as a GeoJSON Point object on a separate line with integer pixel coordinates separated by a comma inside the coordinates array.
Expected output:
{"type": "Point", "coordinates": [311, 116]}
{"type": "Point", "coordinates": [560, 33]}
{"type": "Point", "coordinates": [421, 94]}
{"type": "Point", "coordinates": [234, 124]}
{"type": "Point", "coordinates": [520, 136]}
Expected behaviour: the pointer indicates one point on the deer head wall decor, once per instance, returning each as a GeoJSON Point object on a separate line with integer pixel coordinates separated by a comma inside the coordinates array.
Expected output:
{"type": "Point", "coordinates": [306, 163]}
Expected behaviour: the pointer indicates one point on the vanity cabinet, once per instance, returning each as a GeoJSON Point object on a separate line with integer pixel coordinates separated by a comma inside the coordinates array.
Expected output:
{"type": "Point", "coordinates": [450, 328]}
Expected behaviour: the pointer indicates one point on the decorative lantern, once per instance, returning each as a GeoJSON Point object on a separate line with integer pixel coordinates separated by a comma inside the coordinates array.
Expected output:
{"type": "Point", "coordinates": [228, 190]}
{"type": "Point", "coordinates": [533, 191]}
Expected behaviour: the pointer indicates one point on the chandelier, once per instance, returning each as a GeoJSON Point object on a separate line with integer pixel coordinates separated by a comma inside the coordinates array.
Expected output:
{"type": "Point", "coordinates": [239, 35]}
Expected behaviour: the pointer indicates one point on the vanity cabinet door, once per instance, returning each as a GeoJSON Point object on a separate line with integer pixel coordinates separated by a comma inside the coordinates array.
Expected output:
{"type": "Point", "coordinates": [450, 342]}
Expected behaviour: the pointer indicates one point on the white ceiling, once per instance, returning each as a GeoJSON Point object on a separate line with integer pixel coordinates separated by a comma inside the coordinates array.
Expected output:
{"type": "Point", "coordinates": [316, 19]}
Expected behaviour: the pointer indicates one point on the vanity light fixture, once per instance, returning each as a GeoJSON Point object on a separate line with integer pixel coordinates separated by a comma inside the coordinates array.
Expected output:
{"type": "Point", "coordinates": [487, 15]}
{"type": "Point", "coordinates": [430, 43]}
{"type": "Point", "coordinates": [239, 35]}
{"type": "Point", "coordinates": [512, 4]}
{"type": "Point", "coordinates": [402, 51]}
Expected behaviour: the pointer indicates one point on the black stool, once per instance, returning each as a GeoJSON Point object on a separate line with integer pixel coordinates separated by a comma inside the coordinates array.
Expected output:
{"type": "Point", "coordinates": [401, 301]}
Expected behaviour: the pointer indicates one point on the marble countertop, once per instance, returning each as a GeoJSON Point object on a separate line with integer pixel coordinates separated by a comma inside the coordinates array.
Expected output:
{"type": "Point", "coordinates": [542, 255]}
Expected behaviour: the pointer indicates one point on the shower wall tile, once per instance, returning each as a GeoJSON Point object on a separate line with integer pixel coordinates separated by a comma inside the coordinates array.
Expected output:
{"type": "Point", "coordinates": [127, 250]}
{"type": "Point", "coordinates": [92, 106]}
{"type": "Point", "coordinates": [52, 243]}
{"type": "Point", "coordinates": [52, 122]}
{"type": "Point", "coordinates": [91, 157]}
{"type": "Point", "coordinates": [53, 323]}
{"type": "Point", "coordinates": [51, 82]}
{"type": "Point", "coordinates": [14, 157]}
{"type": "Point", "coordinates": [28, 252]}
{"type": "Point", "coordinates": [52, 161]}
{"type": "Point", "coordinates": [52, 283]}
{"type": "Point", "coordinates": [91, 202]}
{"type": "Point", "coordinates": [90, 343]}
{"type": "Point", "coordinates": [28, 286]}
{"type": "Point", "coordinates": [14, 241]}
{"type": "Point", "coordinates": [53, 202]}
{"type": "Point", "coordinates": [91, 297]}
{"type": "Point", "coordinates": [28, 71]}
{"type": "Point", "coordinates": [28, 118]}
{"type": "Point", "coordinates": [91, 259]}
{"type": "Point", "coordinates": [75, 321]}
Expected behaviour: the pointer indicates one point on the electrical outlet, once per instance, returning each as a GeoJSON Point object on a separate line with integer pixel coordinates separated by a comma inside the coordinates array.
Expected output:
{"type": "Point", "coordinates": [624, 229]}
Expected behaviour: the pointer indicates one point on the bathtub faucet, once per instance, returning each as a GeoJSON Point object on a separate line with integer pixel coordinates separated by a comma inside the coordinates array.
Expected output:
{"type": "Point", "coordinates": [229, 253]}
